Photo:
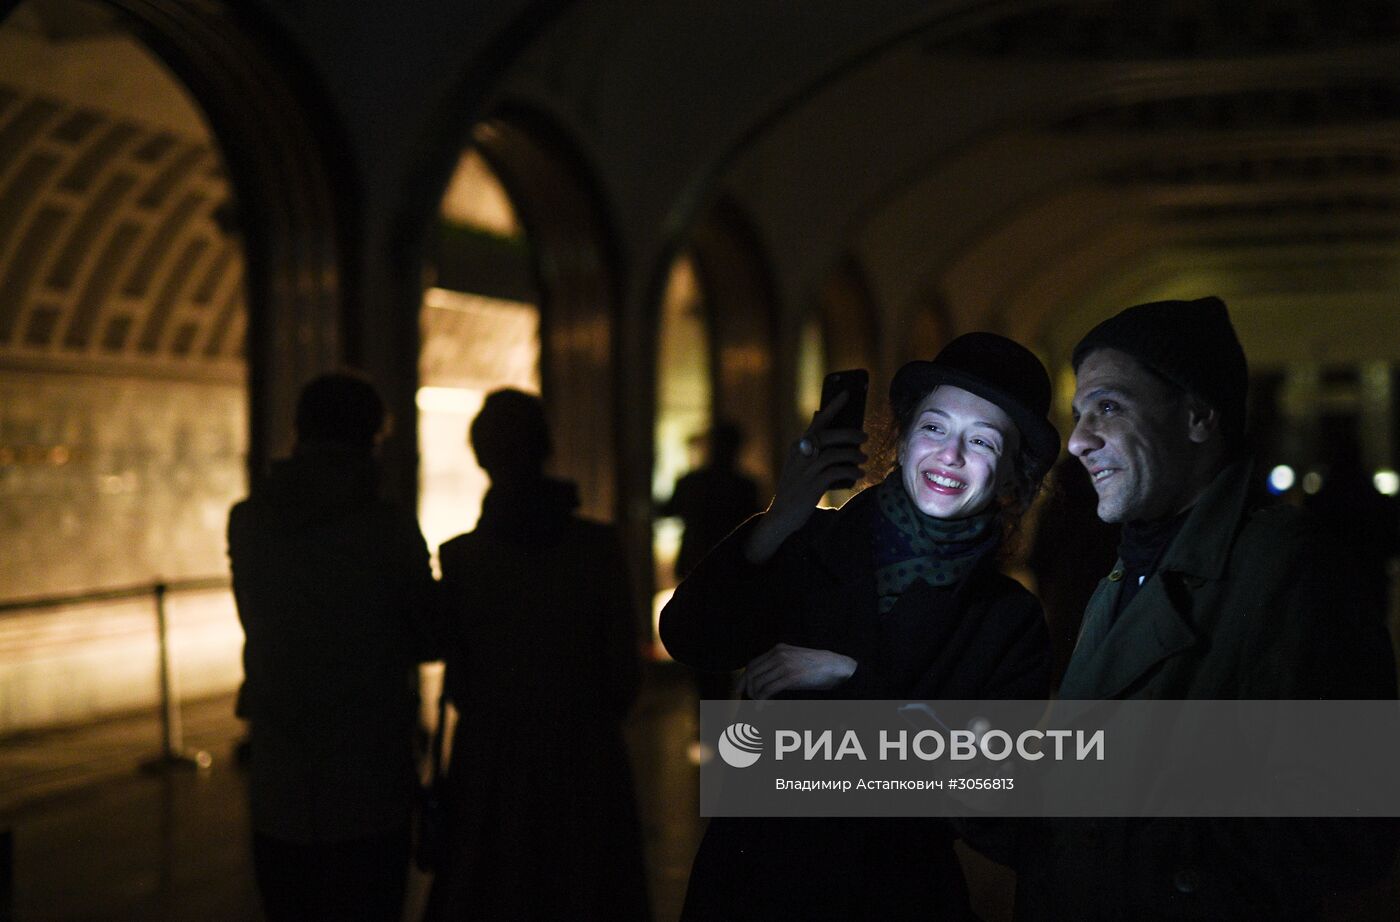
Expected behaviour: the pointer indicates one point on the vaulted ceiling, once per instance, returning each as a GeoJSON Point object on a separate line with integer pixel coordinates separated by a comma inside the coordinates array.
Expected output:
{"type": "Point", "coordinates": [115, 242]}
{"type": "Point", "coordinates": [1024, 165]}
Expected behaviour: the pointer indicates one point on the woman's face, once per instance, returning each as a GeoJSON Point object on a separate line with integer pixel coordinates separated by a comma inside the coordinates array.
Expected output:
{"type": "Point", "coordinates": [957, 454]}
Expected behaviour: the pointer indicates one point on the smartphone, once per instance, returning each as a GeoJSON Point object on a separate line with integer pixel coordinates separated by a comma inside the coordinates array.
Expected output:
{"type": "Point", "coordinates": [855, 383]}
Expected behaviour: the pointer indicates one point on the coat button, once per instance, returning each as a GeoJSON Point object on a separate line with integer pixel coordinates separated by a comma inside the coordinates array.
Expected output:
{"type": "Point", "coordinates": [1186, 881]}
{"type": "Point", "coordinates": [1116, 575]}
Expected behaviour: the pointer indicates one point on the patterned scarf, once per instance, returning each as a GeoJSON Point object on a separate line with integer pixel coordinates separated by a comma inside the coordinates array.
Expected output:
{"type": "Point", "coordinates": [910, 545]}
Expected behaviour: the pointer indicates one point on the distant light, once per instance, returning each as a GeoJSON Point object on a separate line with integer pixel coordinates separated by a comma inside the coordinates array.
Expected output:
{"type": "Point", "coordinates": [699, 753]}
{"type": "Point", "coordinates": [1281, 479]}
{"type": "Point", "coordinates": [1387, 481]}
{"type": "Point", "coordinates": [1312, 482]}
{"type": "Point", "coordinates": [455, 400]}
{"type": "Point", "coordinates": [658, 602]}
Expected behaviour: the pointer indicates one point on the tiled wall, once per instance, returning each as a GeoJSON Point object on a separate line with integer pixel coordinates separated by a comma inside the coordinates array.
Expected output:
{"type": "Point", "coordinates": [113, 482]}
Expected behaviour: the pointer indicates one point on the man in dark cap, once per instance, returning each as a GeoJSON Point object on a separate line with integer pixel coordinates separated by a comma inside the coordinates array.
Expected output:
{"type": "Point", "coordinates": [1211, 598]}
{"type": "Point", "coordinates": [336, 599]}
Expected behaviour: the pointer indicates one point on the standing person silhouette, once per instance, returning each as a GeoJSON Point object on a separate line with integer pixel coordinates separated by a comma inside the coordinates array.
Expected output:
{"type": "Point", "coordinates": [336, 598]}
{"type": "Point", "coordinates": [711, 501]}
{"type": "Point", "coordinates": [543, 670]}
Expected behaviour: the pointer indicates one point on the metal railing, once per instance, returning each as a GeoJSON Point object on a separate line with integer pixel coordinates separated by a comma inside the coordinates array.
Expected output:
{"type": "Point", "coordinates": [173, 753]}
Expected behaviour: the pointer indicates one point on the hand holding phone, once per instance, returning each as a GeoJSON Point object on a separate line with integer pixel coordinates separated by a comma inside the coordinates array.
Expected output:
{"type": "Point", "coordinates": [855, 384]}
{"type": "Point", "coordinates": [827, 457]}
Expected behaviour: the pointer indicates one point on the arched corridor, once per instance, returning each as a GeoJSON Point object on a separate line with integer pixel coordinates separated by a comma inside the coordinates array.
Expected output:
{"type": "Point", "coordinates": [660, 219]}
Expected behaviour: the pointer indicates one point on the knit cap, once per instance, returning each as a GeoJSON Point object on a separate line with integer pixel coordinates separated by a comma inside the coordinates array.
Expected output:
{"type": "Point", "coordinates": [1191, 344]}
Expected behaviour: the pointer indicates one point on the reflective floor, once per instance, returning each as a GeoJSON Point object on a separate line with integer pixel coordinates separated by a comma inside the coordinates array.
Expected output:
{"type": "Point", "coordinates": [99, 837]}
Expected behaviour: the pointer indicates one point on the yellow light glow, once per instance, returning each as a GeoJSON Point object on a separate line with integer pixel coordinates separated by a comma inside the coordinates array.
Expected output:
{"type": "Point", "coordinates": [658, 602]}
{"type": "Point", "coordinates": [454, 400]}
{"type": "Point", "coordinates": [476, 198]}
{"type": "Point", "coordinates": [1387, 481]}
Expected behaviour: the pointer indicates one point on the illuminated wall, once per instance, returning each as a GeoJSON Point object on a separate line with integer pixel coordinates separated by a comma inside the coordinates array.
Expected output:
{"type": "Point", "coordinates": [122, 405]}
{"type": "Point", "coordinates": [473, 345]}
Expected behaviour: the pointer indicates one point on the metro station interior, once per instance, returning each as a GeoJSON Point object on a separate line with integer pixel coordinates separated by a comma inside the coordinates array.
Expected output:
{"type": "Point", "coordinates": [657, 216]}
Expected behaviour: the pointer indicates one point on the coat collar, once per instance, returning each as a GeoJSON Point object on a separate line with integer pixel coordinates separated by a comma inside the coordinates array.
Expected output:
{"type": "Point", "coordinates": [1113, 653]}
{"type": "Point", "coordinates": [1110, 658]}
{"type": "Point", "coordinates": [1202, 547]}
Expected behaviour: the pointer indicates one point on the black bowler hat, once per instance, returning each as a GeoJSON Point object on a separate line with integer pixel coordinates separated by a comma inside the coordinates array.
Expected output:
{"type": "Point", "coordinates": [994, 368]}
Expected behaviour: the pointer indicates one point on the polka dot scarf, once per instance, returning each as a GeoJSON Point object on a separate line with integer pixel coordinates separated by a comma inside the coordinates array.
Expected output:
{"type": "Point", "coordinates": [910, 545]}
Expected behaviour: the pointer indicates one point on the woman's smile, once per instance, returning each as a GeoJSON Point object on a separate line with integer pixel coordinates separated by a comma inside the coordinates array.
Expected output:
{"type": "Point", "coordinates": [944, 482]}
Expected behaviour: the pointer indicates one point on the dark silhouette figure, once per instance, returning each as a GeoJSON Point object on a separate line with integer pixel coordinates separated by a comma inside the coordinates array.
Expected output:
{"type": "Point", "coordinates": [335, 595]}
{"type": "Point", "coordinates": [542, 671]}
{"type": "Point", "coordinates": [711, 501]}
{"type": "Point", "coordinates": [1072, 550]}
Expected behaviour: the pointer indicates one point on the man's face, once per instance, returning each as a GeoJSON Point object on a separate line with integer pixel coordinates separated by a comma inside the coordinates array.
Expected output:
{"type": "Point", "coordinates": [1132, 433]}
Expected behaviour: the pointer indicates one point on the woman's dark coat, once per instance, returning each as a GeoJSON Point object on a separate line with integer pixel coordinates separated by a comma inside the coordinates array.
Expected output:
{"type": "Point", "coordinates": [983, 638]}
{"type": "Point", "coordinates": [542, 673]}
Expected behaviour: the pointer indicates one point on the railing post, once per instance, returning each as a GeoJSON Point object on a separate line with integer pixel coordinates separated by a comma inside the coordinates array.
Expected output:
{"type": "Point", "coordinates": [173, 754]}
{"type": "Point", "coordinates": [7, 875]}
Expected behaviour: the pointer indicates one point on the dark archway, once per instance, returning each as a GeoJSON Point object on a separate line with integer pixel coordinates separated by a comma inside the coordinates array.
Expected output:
{"type": "Point", "coordinates": [849, 314]}
{"type": "Point", "coordinates": [568, 233]}
{"type": "Point", "coordinates": [460, 116]}
{"type": "Point", "coordinates": [742, 307]}
{"type": "Point", "coordinates": [293, 206]}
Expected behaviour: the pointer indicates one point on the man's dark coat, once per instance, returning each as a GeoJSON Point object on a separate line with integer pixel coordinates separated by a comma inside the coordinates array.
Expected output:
{"type": "Point", "coordinates": [1246, 603]}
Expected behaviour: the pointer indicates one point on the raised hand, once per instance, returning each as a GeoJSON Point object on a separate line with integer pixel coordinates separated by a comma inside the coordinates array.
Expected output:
{"type": "Point", "coordinates": [816, 462]}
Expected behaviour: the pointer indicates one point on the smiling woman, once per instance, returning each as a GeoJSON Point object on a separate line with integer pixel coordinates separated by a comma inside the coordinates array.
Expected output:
{"type": "Point", "coordinates": [894, 596]}
{"type": "Point", "coordinates": [958, 455]}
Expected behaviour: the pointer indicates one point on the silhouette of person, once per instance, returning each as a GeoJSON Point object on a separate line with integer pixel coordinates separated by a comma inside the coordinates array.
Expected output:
{"type": "Point", "coordinates": [336, 598]}
{"type": "Point", "coordinates": [711, 501]}
{"type": "Point", "coordinates": [542, 670]}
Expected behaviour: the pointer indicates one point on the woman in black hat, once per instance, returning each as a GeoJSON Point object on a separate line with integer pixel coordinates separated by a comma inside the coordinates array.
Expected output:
{"type": "Point", "coordinates": [897, 595]}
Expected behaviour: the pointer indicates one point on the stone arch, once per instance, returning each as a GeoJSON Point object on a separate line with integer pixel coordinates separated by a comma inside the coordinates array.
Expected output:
{"type": "Point", "coordinates": [742, 306]}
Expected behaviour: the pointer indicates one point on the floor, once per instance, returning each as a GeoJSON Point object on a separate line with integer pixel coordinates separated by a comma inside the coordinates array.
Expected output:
{"type": "Point", "coordinates": [101, 833]}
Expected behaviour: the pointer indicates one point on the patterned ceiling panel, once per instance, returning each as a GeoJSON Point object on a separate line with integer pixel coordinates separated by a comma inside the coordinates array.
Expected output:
{"type": "Point", "coordinates": [1151, 29]}
{"type": "Point", "coordinates": [111, 252]}
{"type": "Point", "coordinates": [1260, 166]}
{"type": "Point", "coordinates": [1290, 108]}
